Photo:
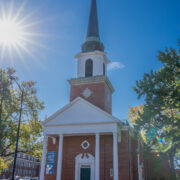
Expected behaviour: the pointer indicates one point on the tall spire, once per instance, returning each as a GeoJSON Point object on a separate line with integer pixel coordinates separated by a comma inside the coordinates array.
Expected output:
{"type": "Point", "coordinates": [93, 42]}
{"type": "Point", "coordinates": [93, 27]}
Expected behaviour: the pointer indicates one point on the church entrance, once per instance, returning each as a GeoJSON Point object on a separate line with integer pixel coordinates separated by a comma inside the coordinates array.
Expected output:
{"type": "Point", "coordinates": [85, 173]}
{"type": "Point", "coordinates": [84, 168]}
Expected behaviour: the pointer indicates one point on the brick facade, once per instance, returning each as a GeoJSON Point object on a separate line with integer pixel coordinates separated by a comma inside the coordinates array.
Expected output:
{"type": "Point", "coordinates": [106, 157]}
{"type": "Point", "coordinates": [72, 147]}
{"type": "Point", "coordinates": [101, 95]}
{"type": "Point", "coordinates": [26, 166]}
{"type": "Point", "coordinates": [51, 147]}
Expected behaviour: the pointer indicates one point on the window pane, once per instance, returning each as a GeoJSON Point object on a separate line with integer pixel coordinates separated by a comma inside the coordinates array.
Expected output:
{"type": "Point", "coordinates": [89, 68]}
{"type": "Point", "coordinates": [104, 69]}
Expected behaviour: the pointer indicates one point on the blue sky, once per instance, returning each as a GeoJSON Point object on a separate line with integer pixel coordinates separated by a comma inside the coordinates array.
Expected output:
{"type": "Point", "coordinates": [132, 31]}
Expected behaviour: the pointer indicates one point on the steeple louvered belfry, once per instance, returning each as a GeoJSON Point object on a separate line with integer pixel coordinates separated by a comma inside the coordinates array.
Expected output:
{"type": "Point", "coordinates": [93, 42]}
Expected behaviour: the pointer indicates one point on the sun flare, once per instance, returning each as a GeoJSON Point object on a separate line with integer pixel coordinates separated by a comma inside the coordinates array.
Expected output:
{"type": "Point", "coordinates": [11, 33]}
{"type": "Point", "coordinates": [18, 37]}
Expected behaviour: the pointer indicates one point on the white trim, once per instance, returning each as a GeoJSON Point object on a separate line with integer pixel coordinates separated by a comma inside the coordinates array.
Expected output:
{"type": "Point", "coordinates": [114, 119]}
{"type": "Point", "coordinates": [82, 129]}
{"type": "Point", "coordinates": [97, 157]}
{"type": "Point", "coordinates": [80, 124]}
{"type": "Point", "coordinates": [60, 151]}
{"type": "Point", "coordinates": [79, 55]}
{"type": "Point", "coordinates": [82, 144]}
{"type": "Point", "coordinates": [115, 156]}
{"type": "Point", "coordinates": [84, 159]}
{"type": "Point", "coordinates": [43, 162]}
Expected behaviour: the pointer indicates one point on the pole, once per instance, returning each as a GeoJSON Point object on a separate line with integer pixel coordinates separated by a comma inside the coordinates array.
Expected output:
{"type": "Point", "coordinates": [17, 138]}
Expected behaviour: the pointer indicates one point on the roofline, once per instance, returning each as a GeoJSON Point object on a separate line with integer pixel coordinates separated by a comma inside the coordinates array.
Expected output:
{"type": "Point", "coordinates": [116, 120]}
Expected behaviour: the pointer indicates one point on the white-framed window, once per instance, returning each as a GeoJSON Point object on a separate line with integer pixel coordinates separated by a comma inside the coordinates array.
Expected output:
{"type": "Point", "coordinates": [85, 145]}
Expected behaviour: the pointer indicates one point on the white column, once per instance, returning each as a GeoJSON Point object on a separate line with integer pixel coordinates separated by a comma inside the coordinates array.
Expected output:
{"type": "Point", "coordinates": [115, 156]}
{"type": "Point", "coordinates": [59, 164]}
{"type": "Point", "coordinates": [43, 162]}
{"type": "Point", "coordinates": [97, 157]}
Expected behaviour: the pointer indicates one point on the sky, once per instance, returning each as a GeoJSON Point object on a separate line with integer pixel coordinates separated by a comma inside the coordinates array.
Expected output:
{"type": "Point", "coordinates": [132, 32]}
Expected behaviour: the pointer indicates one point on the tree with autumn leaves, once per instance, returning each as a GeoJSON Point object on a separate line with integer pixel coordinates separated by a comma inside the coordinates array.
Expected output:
{"type": "Point", "coordinates": [31, 129]}
{"type": "Point", "coordinates": [158, 119]}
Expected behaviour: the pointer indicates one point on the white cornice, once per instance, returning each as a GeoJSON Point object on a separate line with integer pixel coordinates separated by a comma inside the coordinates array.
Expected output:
{"type": "Point", "coordinates": [94, 79]}
{"type": "Point", "coordinates": [114, 119]}
{"type": "Point", "coordinates": [79, 55]}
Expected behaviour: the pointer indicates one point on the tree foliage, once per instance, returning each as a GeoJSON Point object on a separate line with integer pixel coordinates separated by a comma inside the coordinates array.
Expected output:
{"type": "Point", "coordinates": [160, 119]}
{"type": "Point", "coordinates": [133, 114]}
{"type": "Point", "coordinates": [31, 128]}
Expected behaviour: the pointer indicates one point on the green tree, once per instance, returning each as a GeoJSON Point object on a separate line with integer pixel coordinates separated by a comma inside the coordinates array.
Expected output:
{"type": "Point", "coordinates": [31, 129]}
{"type": "Point", "coordinates": [160, 119]}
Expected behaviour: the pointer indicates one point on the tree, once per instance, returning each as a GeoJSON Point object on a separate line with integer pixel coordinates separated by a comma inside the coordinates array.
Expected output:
{"type": "Point", "coordinates": [31, 129]}
{"type": "Point", "coordinates": [160, 119]}
{"type": "Point", "coordinates": [133, 114]}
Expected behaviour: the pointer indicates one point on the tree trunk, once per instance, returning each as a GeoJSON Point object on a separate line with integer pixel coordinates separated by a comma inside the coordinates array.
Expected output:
{"type": "Point", "coordinates": [172, 168]}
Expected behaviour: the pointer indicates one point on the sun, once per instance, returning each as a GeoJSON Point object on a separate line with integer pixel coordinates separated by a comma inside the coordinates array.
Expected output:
{"type": "Point", "coordinates": [11, 33]}
{"type": "Point", "coordinates": [17, 32]}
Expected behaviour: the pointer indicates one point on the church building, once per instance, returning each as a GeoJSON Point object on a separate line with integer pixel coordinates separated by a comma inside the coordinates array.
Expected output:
{"type": "Point", "coordinates": [83, 140]}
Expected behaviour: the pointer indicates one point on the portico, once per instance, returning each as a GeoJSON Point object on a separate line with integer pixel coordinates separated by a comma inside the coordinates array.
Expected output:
{"type": "Point", "coordinates": [89, 161]}
{"type": "Point", "coordinates": [59, 127]}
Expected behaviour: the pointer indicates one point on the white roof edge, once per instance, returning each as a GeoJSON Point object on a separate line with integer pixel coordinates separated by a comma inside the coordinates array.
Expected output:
{"type": "Point", "coordinates": [79, 124]}
{"type": "Point", "coordinates": [74, 101]}
{"type": "Point", "coordinates": [89, 53]}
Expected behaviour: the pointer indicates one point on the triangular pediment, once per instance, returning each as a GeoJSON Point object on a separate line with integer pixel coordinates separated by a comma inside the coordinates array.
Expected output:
{"type": "Point", "coordinates": [79, 111]}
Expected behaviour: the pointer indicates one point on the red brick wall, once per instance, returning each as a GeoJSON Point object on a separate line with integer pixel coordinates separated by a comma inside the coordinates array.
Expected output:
{"type": "Point", "coordinates": [71, 148]}
{"type": "Point", "coordinates": [108, 100]}
{"type": "Point", "coordinates": [134, 160]}
{"type": "Point", "coordinates": [52, 148]}
{"type": "Point", "coordinates": [106, 157]}
{"type": "Point", "coordinates": [100, 92]}
{"type": "Point", "coordinates": [123, 157]}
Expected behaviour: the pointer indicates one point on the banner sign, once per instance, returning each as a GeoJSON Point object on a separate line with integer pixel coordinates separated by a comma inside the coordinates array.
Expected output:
{"type": "Point", "coordinates": [51, 163]}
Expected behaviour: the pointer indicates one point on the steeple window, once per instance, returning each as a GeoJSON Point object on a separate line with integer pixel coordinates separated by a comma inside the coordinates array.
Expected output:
{"type": "Point", "coordinates": [89, 68]}
{"type": "Point", "coordinates": [104, 69]}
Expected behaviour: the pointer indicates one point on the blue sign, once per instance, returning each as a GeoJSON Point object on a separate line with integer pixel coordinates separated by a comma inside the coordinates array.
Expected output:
{"type": "Point", "coordinates": [51, 163]}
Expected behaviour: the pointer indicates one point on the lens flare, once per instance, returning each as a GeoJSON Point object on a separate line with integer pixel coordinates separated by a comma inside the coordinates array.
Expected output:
{"type": "Point", "coordinates": [161, 141]}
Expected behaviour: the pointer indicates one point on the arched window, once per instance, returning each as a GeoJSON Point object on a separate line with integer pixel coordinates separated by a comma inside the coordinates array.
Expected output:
{"type": "Point", "coordinates": [104, 69]}
{"type": "Point", "coordinates": [89, 68]}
